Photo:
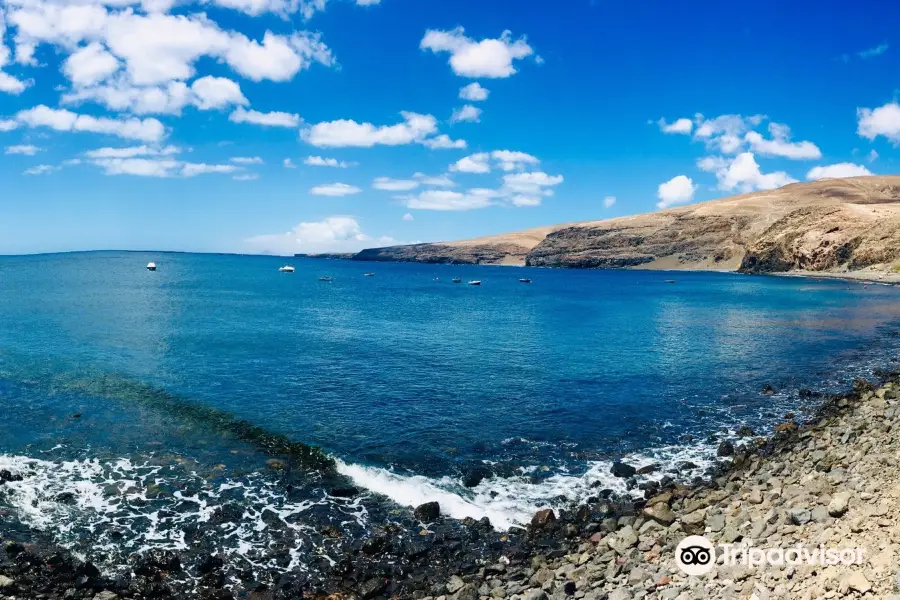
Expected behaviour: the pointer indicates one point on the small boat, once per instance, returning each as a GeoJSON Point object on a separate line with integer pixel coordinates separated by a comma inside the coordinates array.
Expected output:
{"type": "Point", "coordinates": [524, 280]}
{"type": "Point", "coordinates": [457, 280]}
{"type": "Point", "coordinates": [286, 269]}
{"type": "Point", "coordinates": [369, 274]}
{"type": "Point", "coordinates": [475, 282]}
{"type": "Point", "coordinates": [326, 278]}
{"type": "Point", "coordinates": [670, 281]}
{"type": "Point", "coordinates": [151, 266]}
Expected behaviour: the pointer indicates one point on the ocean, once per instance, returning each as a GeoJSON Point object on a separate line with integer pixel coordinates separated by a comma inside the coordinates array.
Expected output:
{"type": "Point", "coordinates": [155, 409]}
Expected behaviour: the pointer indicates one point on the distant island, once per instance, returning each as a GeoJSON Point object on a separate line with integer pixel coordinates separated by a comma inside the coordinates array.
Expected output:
{"type": "Point", "coordinates": [845, 227]}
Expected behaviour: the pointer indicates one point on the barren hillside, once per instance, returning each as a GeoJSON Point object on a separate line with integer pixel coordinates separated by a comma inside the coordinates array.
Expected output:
{"type": "Point", "coordinates": [833, 226]}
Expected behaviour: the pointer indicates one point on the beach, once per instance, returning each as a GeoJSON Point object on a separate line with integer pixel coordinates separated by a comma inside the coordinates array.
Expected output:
{"type": "Point", "coordinates": [829, 482]}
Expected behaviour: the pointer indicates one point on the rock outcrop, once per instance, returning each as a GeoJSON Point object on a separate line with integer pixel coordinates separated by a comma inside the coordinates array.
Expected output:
{"type": "Point", "coordinates": [827, 226]}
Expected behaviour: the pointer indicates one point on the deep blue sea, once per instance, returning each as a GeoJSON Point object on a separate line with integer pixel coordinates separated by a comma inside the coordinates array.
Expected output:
{"type": "Point", "coordinates": [135, 390]}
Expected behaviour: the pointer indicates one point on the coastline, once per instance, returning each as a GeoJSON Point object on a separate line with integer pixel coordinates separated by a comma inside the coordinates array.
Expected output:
{"type": "Point", "coordinates": [607, 548]}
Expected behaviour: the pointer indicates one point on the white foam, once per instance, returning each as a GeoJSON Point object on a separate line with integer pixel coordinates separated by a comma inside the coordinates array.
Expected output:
{"type": "Point", "coordinates": [512, 501]}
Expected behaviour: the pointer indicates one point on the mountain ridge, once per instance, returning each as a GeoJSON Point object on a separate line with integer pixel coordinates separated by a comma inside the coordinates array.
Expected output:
{"type": "Point", "coordinates": [829, 226]}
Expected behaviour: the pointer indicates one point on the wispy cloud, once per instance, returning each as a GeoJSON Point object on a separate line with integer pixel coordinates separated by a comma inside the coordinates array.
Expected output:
{"type": "Point", "coordinates": [875, 51]}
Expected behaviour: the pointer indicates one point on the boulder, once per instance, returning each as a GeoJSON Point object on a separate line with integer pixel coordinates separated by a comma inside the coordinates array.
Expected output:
{"type": "Point", "coordinates": [620, 469]}
{"type": "Point", "coordinates": [839, 504]}
{"type": "Point", "coordinates": [726, 448]}
{"type": "Point", "coordinates": [542, 518]}
{"type": "Point", "coordinates": [660, 513]}
{"type": "Point", "coordinates": [428, 511]}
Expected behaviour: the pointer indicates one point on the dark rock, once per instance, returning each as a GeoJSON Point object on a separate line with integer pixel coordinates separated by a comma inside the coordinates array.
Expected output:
{"type": "Point", "coordinates": [343, 492]}
{"type": "Point", "coordinates": [726, 448]}
{"type": "Point", "coordinates": [569, 588]}
{"type": "Point", "coordinates": [542, 518]}
{"type": "Point", "coordinates": [647, 469]}
{"type": "Point", "coordinates": [476, 475]}
{"type": "Point", "coordinates": [428, 511]}
{"type": "Point", "coordinates": [370, 588]}
{"type": "Point", "coordinates": [155, 562]}
{"type": "Point", "coordinates": [768, 390]}
{"type": "Point", "coordinates": [745, 431]}
{"type": "Point", "coordinates": [620, 469]}
{"type": "Point", "coordinates": [209, 564]}
{"type": "Point", "coordinates": [65, 498]}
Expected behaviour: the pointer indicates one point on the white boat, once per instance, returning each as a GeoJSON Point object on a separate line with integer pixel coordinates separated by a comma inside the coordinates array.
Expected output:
{"type": "Point", "coordinates": [151, 266]}
{"type": "Point", "coordinates": [286, 269]}
{"type": "Point", "coordinates": [475, 282]}
{"type": "Point", "coordinates": [369, 274]}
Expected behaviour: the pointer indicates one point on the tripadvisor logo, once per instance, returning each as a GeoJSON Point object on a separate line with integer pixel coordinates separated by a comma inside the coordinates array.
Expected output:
{"type": "Point", "coordinates": [696, 555]}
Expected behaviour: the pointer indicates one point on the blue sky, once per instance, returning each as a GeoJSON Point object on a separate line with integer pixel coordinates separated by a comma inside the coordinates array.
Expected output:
{"type": "Point", "coordinates": [167, 125]}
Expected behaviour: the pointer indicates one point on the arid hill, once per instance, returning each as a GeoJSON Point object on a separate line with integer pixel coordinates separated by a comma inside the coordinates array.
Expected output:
{"type": "Point", "coordinates": [829, 226]}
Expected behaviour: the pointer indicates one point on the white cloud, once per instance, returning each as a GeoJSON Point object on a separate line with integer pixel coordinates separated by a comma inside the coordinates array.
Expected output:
{"type": "Point", "coordinates": [446, 200]}
{"type": "Point", "coordinates": [394, 185]}
{"type": "Point", "coordinates": [217, 92]}
{"type": "Point", "coordinates": [24, 149]}
{"type": "Point", "coordinates": [141, 167]}
{"type": "Point", "coordinates": [408, 217]}
{"type": "Point", "coordinates": [682, 126]}
{"type": "Point", "coordinates": [487, 58]}
{"type": "Point", "coordinates": [246, 177]}
{"type": "Point", "coordinates": [609, 201]}
{"type": "Point", "coordinates": [527, 189]}
{"type": "Point", "coordinates": [873, 156]}
{"type": "Point", "coordinates": [40, 170]}
{"type": "Point", "coordinates": [247, 160]}
{"type": "Point", "coordinates": [8, 124]}
{"type": "Point", "coordinates": [439, 181]}
{"type": "Point", "coordinates": [157, 165]}
{"type": "Point", "coordinates": [346, 133]}
{"type": "Point", "coordinates": [334, 234]}
{"type": "Point", "coordinates": [90, 65]}
{"type": "Point", "coordinates": [132, 151]}
{"type": "Point", "coordinates": [443, 142]}
{"type": "Point", "coordinates": [194, 169]}
{"type": "Point", "coordinates": [146, 130]}
{"type": "Point", "coordinates": [678, 190]}
{"type": "Point", "coordinates": [11, 85]}
{"type": "Point", "coordinates": [269, 119]}
{"type": "Point", "coordinates": [875, 51]}
{"type": "Point", "coordinates": [743, 174]}
{"type": "Point", "coordinates": [837, 171]}
{"type": "Point", "coordinates": [474, 163]}
{"type": "Point", "coordinates": [278, 58]}
{"type": "Point", "coordinates": [509, 160]}
{"type": "Point", "coordinates": [466, 114]}
{"type": "Point", "coordinates": [8, 83]}
{"type": "Point", "coordinates": [725, 133]}
{"type": "Point", "coordinates": [318, 161]}
{"type": "Point", "coordinates": [884, 121]}
{"type": "Point", "coordinates": [474, 92]}
{"type": "Point", "coordinates": [334, 189]}
{"type": "Point", "coordinates": [780, 144]}
{"type": "Point", "coordinates": [288, 164]}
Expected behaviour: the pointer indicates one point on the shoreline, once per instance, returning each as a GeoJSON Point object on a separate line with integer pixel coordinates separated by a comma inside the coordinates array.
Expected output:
{"type": "Point", "coordinates": [608, 547]}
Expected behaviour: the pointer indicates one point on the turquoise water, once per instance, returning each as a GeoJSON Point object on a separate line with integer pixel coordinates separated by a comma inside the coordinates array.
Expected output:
{"type": "Point", "coordinates": [408, 379]}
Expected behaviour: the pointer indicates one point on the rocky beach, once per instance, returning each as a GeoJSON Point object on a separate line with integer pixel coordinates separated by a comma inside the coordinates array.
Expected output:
{"type": "Point", "coordinates": [828, 482]}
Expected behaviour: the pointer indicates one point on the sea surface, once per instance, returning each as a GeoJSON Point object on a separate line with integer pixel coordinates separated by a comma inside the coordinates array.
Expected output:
{"type": "Point", "coordinates": [140, 405]}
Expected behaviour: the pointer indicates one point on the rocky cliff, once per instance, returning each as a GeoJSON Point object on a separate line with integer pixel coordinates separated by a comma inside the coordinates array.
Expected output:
{"type": "Point", "coordinates": [830, 226]}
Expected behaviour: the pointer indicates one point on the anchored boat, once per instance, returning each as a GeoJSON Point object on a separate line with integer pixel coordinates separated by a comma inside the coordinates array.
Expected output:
{"type": "Point", "coordinates": [151, 266]}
